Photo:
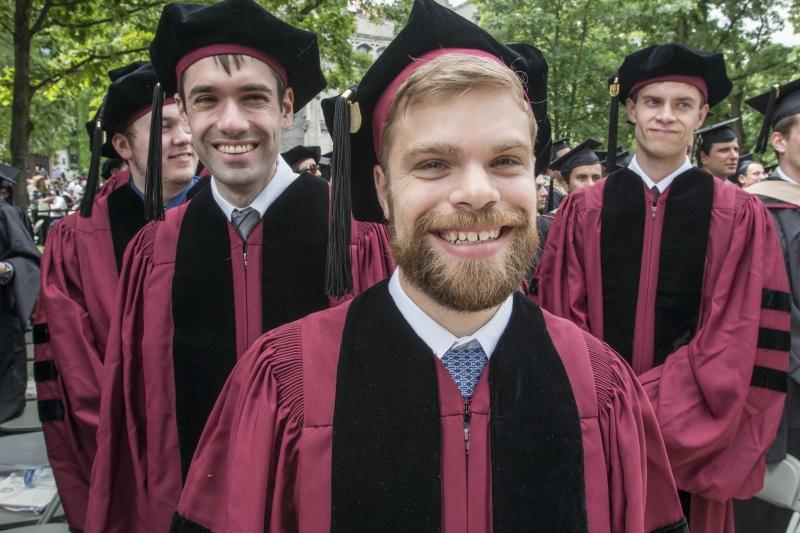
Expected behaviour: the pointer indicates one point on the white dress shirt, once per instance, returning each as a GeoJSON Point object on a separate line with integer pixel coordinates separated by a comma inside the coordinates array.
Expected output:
{"type": "Point", "coordinates": [663, 184]}
{"type": "Point", "coordinates": [437, 337]}
{"type": "Point", "coordinates": [782, 175]}
{"type": "Point", "coordinates": [280, 182]}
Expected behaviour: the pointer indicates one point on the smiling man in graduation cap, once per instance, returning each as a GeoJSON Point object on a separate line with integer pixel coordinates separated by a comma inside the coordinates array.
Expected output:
{"type": "Point", "coordinates": [246, 254]}
{"type": "Point", "coordinates": [80, 270]}
{"type": "Point", "coordinates": [718, 149]}
{"type": "Point", "coordinates": [781, 194]}
{"type": "Point", "coordinates": [683, 275]}
{"type": "Point", "coordinates": [440, 400]}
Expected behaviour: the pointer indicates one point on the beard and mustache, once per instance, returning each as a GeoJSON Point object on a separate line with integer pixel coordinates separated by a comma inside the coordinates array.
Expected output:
{"type": "Point", "coordinates": [466, 284]}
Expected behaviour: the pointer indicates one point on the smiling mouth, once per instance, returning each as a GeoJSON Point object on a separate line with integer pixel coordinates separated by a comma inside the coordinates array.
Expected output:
{"type": "Point", "coordinates": [236, 148]}
{"type": "Point", "coordinates": [470, 237]}
{"type": "Point", "coordinates": [182, 154]}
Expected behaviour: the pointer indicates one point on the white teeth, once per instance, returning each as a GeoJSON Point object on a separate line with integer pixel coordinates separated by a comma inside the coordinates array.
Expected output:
{"type": "Point", "coordinates": [461, 237]}
{"type": "Point", "coordinates": [235, 148]}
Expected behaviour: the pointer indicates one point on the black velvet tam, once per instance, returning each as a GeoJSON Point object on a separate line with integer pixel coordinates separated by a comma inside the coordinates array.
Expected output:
{"type": "Point", "coordinates": [581, 155]}
{"type": "Point", "coordinates": [430, 27]}
{"type": "Point", "coordinates": [185, 28]}
{"type": "Point", "coordinates": [674, 60]}
{"type": "Point", "coordinates": [130, 92]}
{"type": "Point", "coordinates": [718, 133]}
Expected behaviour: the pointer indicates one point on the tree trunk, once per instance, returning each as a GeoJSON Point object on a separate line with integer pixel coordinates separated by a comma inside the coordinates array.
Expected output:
{"type": "Point", "coordinates": [21, 126]}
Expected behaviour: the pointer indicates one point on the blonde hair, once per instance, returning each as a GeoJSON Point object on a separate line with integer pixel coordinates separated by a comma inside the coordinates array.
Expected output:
{"type": "Point", "coordinates": [455, 74]}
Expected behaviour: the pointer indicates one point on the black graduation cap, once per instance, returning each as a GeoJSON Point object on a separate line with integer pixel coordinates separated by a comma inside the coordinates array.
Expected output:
{"type": "Point", "coordinates": [129, 96]}
{"type": "Point", "coordinates": [187, 33]}
{"type": "Point", "coordinates": [623, 157]}
{"type": "Point", "coordinates": [665, 62]}
{"type": "Point", "coordinates": [581, 155]}
{"type": "Point", "coordinates": [741, 166]}
{"type": "Point", "coordinates": [559, 145]}
{"type": "Point", "coordinates": [298, 153]}
{"type": "Point", "coordinates": [431, 27]}
{"type": "Point", "coordinates": [779, 102]}
{"type": "Point", "coordinates": [9, 173]}
{"type": "Point", "coordinates": [718, 133]}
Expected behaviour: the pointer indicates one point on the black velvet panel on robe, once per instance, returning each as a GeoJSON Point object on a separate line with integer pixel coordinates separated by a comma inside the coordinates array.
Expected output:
{"type": "Point", "coordinates": [126, 218]}
{"type": "Point", "coordinates": [621, 241]}
{"type": "Point", "coordinates": [294, 253]}
{"type": "Point", "coordinates": [681, 265]}
{"type": "Point", "coordinates": [386, 464]}
{"type": "Point", "coordinates": [682, 262]}
{"type": "Point", "coordinates": [294, 249]}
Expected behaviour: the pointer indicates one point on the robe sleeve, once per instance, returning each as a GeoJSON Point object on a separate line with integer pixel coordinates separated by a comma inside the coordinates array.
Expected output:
{"type": "Point", "coordinates": [118, 492]}
{"type": "Point", "coordinates": [243, 475]}
{"type": "Point", "coordinates": [561, 273]}
{"type": "Point", "coordinates": [370, 253]}
{"type": "Point", "coordinates": [70, 361]}
{"type": "Point", "coordinates": [641, 490]}
{"type": "Point", "coordinates": [719, 398]}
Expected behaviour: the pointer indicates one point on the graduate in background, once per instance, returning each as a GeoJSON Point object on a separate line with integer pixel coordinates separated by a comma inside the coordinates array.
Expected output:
{"type": "Point", "coordinates": [748, 172]}
{"type": "Point", "coordinates": [781, 194]}
{"type": "Point", "coordinates": [718, 149]}
{"type": "Point", "coordinates": [80, 270]}
{"type": "Point", "coordinates": [19, 286]}
{"type": "Point", "coordinates": [303, 159]}
{"type": "Point", "coordinates": [681, 274]}
{"type": "Point", "coordinates": [442, 399]}
{"type": "Point", "coordinates": [247, 254]}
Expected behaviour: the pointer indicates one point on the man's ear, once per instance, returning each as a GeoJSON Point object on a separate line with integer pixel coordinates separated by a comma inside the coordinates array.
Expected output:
{"type": "Point", "coordinates": [287, 108]}
{"type": "Point", "coordinates": [703, 158]}
{"type": "Point", "coordinates": [702, 116]}
{"type": "Point", "coordinates": [184, 118]}
{"type": "Point", "coordinates": [778, 142]}
{"type": "Point", "coordinates": [630, 107]}
{"type": "Point", "coordinates": [382, 188]}
{"type": "Point", "coordinates": [122, 146]}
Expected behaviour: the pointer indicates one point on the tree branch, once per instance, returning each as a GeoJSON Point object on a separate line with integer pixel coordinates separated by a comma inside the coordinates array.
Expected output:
{"type": "Point", "coordinates": [98, 22]}
{"type": "Point", "coordinates": [39, 23]}
{"type": "Point", "coordinates": [80, 64]}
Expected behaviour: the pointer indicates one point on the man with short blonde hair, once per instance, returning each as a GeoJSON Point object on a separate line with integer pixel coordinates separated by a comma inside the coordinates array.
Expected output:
{"type": "Point", "coordinates": [442, 399]}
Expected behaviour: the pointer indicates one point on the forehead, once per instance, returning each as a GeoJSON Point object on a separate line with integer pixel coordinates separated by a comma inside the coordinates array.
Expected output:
{"type": "Point", "coordinates": [725, 144]}
{"type": "Point", "coordinates": [479, 114]}
{"type": "Point", "coordinates": [670, 89]}
{"type": "Point", "coordinates": [594, 168]}
{"type": "Point", "coordinates": [209, 71]}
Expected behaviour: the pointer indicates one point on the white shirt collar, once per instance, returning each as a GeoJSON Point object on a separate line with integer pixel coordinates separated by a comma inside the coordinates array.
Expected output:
{"type": "Point", "coordinates": [663, 184]}
{"type": "Point", "coordinates": [438, 338]}
{"type": "Point", "coordinates": [782, 175]}
{"type": "Point", "coordinates": [280, 181]}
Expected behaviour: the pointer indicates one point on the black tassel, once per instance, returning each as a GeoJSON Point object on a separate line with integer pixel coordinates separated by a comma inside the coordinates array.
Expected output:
{"type": "Point", "coordinates": [763, 135]}
{"type": "Point", "coordinates": [613, 122]}
{"type": "Point", "coordinates": [550, 201]}
{"type": "Point", "coordinates": [338, 276]}
{"type": "Point", "coordinates": [93, 178]}
{"type": "Point", "coordinates": [153, 196]}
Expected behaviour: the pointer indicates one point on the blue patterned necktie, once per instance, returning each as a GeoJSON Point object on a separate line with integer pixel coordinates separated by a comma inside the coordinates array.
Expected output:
{"type": "Point", "coordinates": [465, 364]}
{"type": "Point", "coordinates": [244, 220]}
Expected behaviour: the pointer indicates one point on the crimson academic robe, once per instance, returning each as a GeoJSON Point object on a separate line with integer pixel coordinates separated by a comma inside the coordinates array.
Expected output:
{"type": "Point", "coordinates": [692, 291]}
{"type": "Point", "coordinates": [193, 297]}
{"type": "Point", "coordinates": [346, 421]}
{"type": "Point", "coordinates": [78, 282]}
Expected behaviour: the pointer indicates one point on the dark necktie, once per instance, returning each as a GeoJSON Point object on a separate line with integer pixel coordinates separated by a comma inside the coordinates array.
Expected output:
{"type": "Point", "coordinates": [655, 192]}
{"type": "Point", "coordinates": [244, 220]}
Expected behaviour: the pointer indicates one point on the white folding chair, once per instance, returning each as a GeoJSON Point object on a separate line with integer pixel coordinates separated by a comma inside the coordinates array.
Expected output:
{"type": "Point", "coordinates": [782, 488]}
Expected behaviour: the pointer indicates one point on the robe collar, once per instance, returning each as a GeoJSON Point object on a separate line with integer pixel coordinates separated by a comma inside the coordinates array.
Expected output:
{"type": "Point", "coordinates": [279, 182]}
{"type": "Point", "coordinates": [663, 184]}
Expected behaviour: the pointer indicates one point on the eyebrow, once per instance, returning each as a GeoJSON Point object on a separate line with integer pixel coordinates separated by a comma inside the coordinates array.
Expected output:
{"type": "Point", "coordinates": [250, 87]}
{"type": "Point", "coordinates": [431, 149]}
{"type": "Point", "coordinates": [509, 145]}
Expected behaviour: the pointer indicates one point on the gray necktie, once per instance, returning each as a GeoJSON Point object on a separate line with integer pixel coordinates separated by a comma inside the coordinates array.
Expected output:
{"type": "Point", "coordinates": [244, 220]}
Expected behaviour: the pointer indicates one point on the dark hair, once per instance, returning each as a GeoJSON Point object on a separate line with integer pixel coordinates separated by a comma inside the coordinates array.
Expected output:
{"type": "Point", "coordinates": [238, 59]}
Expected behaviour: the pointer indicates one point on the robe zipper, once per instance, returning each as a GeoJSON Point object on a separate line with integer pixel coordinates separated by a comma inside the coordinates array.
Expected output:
{"type": "Point", "coordinates": [467, 419]}
{"type": "Point", "coordinates": [638, 362]}
{"type": "Point", "coordinates": [244, 254]}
